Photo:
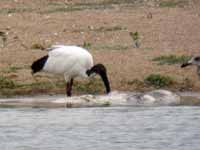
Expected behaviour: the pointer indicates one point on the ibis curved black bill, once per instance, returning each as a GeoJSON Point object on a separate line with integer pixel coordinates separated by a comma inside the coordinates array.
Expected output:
{"type": "Point", "coordinates": [185, 65]}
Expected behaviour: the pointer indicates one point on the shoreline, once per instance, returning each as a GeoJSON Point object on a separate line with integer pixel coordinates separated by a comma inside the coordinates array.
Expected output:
{"type": "Point", "coordinates": [104, 100]}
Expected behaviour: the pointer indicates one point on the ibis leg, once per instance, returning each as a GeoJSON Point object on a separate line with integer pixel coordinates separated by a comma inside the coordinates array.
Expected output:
{"type": "Point", "coordinates": [69, 87]}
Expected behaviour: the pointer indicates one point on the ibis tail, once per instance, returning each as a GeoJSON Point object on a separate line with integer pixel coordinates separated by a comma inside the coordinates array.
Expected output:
{"type": "Point", "coordinates": [39, 64]}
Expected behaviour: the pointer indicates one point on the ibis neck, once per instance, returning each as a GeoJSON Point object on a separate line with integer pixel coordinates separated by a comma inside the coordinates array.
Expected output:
{"type": "Point", "coordinates": [101, 70]}
{"type": "Point", "coordinates": [105, 81]}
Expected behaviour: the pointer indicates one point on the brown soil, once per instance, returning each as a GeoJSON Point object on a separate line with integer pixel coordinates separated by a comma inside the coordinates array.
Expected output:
{"type": "Point", "coordinates": [162, 31]}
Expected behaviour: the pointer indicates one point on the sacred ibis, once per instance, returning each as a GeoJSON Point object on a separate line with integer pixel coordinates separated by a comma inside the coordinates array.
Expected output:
{"type": "Point", "coordinates": [70, 61]}
{"type": "Point", "coordinates": [195, 60]}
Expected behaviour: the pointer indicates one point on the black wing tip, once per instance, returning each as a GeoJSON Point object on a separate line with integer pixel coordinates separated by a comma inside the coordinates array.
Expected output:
{"type": "Point", "coordinates": [38, 64]}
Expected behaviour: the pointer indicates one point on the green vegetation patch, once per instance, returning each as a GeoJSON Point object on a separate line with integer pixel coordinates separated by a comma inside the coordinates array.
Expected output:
{"type": "Point", "coordinates": [110, 47]}
{"type": "Point", "coordinates": [59, 6]}
{"type": "Point", "coordinates": [87, 45]}
{"type": "Point", "coordinates": [171, 59]}
{"type": "Point", "coordinates": [101, 29]}
{"type": "Point", "coordinates": [158, 80]}
{"type": "Point", "coordinates": [38, 46]}
{"type": "Point", "coordinates": [40, 85]}
{"type": "Point", "coordinates": [6, 83]}
{"type": "Point", "coordinates": [9, 88]}
{"type": "Point", "coordinates": [106, 4]}
{"type": "Point", "coordinates": [107, 29]}
{"type": "Point", "coordinates": [93, 86]}
{"type": "Point", "coordinates": [63, 9]}
{"type": "Point", "coordinates": [135, 37]}
{"type": "Point", "coordinates": [14, 68]}
{"type": "Point", "coordinates": [173, 3]}
{"type": "Point", "coordinates": [15, 10]}
{"type": "Point", "coordinates": [3, 35]}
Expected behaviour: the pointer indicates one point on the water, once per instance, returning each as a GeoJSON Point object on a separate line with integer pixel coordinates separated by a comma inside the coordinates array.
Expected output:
{"type": "Point", "coordinates": [105, 128]}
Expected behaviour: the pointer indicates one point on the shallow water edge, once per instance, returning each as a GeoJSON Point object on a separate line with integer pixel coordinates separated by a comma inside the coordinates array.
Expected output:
{"type": "Point", "coordinates": [116, 98]}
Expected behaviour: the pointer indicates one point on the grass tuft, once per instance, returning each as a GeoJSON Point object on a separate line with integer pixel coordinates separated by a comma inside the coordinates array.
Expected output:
{"type": "Point", "coordinates": [87, 45]}
{"type": "Point", "coordinates": [3, 35]}
{"type": "Point", "coordinates": [135, 37]}
{"type": "Point", "coordinates": [38, 46]}
{"type": "Point", "coordinates": [172, 3]}
{"type": "Point", "coordinates": [15, 10]}
{"type": "Point", "coordinates": [110, 47]}
{"type": "Point", "coordinates": [171, 59]}
{"type": "Point", "coordinates": [3, 38]}
{"type": "Point", "coordinates": [14, 68]}
{"type": "Point", "coordinates": [94, 86]}
{"type": "Point", "coordinates": [107, 29]}
{"type": "Point", "coordinates": [6, 83]}
{"type": "Point", "coordinates": [158, 80]}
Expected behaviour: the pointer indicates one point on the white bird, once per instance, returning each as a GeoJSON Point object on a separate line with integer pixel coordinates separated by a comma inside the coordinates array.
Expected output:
{"type": "Point", "coordinates": [71, 61]}
{"type": "Point", "coordinates": [193, 61]}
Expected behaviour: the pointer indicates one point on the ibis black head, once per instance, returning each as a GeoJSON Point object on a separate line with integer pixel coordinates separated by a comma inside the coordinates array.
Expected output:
{"type": "Point", "coordinates": [101, 70]}
{"type": "Point", "coordinates": [193, 61]}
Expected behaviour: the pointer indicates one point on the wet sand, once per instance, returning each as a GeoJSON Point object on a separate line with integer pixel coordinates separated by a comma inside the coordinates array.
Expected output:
{"type": "Point", "coordinates": [129, 99]}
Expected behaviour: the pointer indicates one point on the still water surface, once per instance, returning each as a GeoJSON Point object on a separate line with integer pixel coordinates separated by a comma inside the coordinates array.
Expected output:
{"type": "Point", "coordinates": [109, 128]}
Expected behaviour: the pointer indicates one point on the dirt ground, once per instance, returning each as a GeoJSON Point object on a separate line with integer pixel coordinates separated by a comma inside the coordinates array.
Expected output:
{"type": "Point", "coordinates": [164, 28]}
